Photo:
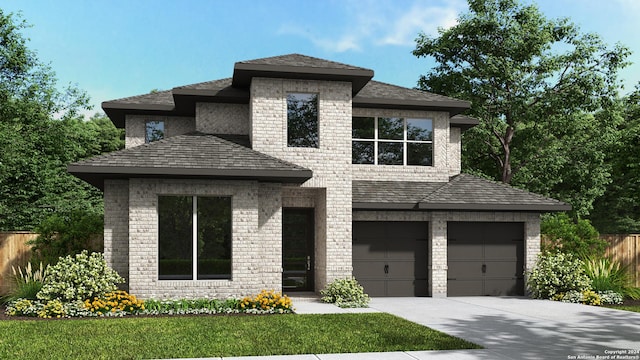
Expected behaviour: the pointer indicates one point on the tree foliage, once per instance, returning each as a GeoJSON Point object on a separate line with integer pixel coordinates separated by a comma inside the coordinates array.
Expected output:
{"type": "Point", "coordinates": [564, 234]}
{"type": "Point", "coordinates": [534, 83]}
{"type": "Point", "coordinates": [618, 210]}
{"type": "Point", "coordinates": [41, 131]}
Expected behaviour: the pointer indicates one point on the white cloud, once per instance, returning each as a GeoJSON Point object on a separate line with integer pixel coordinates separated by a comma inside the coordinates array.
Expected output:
{"type": "Point", "coordinates": [382, 23]}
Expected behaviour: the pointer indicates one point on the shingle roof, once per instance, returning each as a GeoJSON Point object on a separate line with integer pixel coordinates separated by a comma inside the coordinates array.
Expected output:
{"type": "Point", "coordinates": [462, 192]}
{"type": "Point", "coordinates": [378, 94]}
{"type": "Point", "coordinates": [299, 60]}
{"type": "Point", "coordinates": [193, 155]}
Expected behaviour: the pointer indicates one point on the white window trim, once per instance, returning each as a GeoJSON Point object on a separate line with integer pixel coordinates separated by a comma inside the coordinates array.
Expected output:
{"type": "Point", "coordinates": [376, 140]}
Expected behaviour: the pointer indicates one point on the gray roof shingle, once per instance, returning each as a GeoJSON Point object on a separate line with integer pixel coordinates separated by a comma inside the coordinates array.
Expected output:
{"type": "Point", "coordinates": [194, 155]}
{"type": "Point", "coordinates": [462, 192]}
{"type": "Point", "coordinates": [299, 60]}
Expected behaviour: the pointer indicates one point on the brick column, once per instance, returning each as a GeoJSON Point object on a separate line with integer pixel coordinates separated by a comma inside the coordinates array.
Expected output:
{"type": "Point", "coordinates": [438, 255]}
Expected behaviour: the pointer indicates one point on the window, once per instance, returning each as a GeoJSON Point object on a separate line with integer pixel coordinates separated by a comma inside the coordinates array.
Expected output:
{"type": "Point", "coordinates": [194, 237]}
{"type": "Point", "coordinates": [302, 120]}
{"type": "Point", "coordinates": [154, 130]}
{"type": "Point", "coordinates": [392, 141]}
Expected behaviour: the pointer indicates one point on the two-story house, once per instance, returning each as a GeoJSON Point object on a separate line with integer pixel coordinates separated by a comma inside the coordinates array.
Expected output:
{"type": "Point", "coordinates": [298, 171]}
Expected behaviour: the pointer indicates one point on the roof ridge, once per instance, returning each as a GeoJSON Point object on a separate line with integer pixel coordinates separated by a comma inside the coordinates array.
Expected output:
{"type": "Point", "coordinates": [444, 185]}
{"type": "Point", "coordinates": [414, 89]}
{"type": "Point", "coordinates": [140, 96]}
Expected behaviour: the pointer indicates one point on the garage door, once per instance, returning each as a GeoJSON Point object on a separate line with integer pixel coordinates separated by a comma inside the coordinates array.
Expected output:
{"type": "Point", "coordinates": [485, 259]}
{"type": "Point", "coordinates": [390, 258]}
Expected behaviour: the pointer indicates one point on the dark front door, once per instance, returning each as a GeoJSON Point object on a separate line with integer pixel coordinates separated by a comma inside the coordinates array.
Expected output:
{"type": "Point", "coordinates": [297, 249]}
{"type": "Point", "coordinates": [390, 258]}
{"type": "Point", "coordinates": [485, 258]}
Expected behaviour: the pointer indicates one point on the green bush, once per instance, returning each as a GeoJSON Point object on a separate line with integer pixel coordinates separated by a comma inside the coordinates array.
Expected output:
{"type": "Point", "coordinates": [575, 237]}
{"type": "Point", "coordinates": [609, 275]}
{"type": "Point", "coordinates": [345, 293]}
{"type": "Point", "coordinates": [555, 273]}
{"type": "Point", "coordinates": [79, 277]}
{"type": "Point", "coordinates": [26, 284]}
{"type": "Point", "coordinates": [65, 234]}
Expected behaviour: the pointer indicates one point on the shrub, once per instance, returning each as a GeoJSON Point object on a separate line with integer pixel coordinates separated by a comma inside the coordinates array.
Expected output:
{"type": "Point", "coordinates": [65, 234]}
{"type": "Point", "coordinates": [607, 274]}
{"type": "Point", "coordinates": [115, 302]}
{"type": "Point", "coordinates": [611, 297]}
{"type": "Point", "coordinates": [345, 293]}
{"type": "Point", "coordinates": [556, 273]}
{"type": "Point", "coordinates": [191, 306]}
{"type": "Point", "coordinates": [50, 309]}
{"type": "Point", "coordinates": [79, 277]}
{"type": "Point", "coordinates": [577, 237]}
{"type": "Point", "coordinates": [268, 301]}
{"type": "Point", "coordinates": [27, 282]}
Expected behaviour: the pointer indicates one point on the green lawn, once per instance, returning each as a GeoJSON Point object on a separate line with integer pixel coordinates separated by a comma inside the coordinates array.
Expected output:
{"type": "Point", "coordinates": [634, 308]}
{"type": "Point", "coordinates": [211, 336]}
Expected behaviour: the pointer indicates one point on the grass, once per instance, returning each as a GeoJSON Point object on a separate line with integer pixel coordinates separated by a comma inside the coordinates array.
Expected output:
{"type": "Point", "coordinates": [634, 308]}
{"type": "Point", "coordinates": [215, 336]}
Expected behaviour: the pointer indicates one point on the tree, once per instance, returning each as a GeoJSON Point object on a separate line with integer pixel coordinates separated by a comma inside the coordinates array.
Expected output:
{"type": "Point", "coordinates": [41, 132]}
{"type": "Point", "coordinates": [618, 210]}
{"type": "Point", "coordinates": [534, 83]}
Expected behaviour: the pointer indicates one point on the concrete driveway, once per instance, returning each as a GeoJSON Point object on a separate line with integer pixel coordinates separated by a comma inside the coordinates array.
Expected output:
{"type": "Point", "coordinates": [521, 328]}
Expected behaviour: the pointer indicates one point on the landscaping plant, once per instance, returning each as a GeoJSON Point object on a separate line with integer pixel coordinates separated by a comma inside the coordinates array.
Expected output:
{"type": "Point", "coordinates": [609, 275]}
{"type": "Point", "coordinates": [267, 301]}
{"type": "Point", "coordinates": [27, 282]}
{"type": "Point", "coordinates": [557, 273]}
{"type": "Point", "coordinates": [79, 277]}
{"type": "Point", "coordinates": [345, 293]}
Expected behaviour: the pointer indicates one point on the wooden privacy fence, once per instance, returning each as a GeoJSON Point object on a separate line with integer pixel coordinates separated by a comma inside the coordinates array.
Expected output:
{"type": "Point", "coordinates": [626, 249]}
{"type": "Point", "coordinates": [14, 251]}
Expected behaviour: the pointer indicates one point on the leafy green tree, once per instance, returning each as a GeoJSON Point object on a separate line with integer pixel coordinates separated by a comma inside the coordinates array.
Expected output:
{"type": "Point", "coordinates": [41, 131]}
{"type": "Point", "coordinates": [618, 210]}
{"type": "Point", "coordinates": [564, 234]}
{"type": "Point", "coordinates": [534, 84]}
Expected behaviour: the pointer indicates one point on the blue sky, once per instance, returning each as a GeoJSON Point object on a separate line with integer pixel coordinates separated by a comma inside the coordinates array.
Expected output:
{"type": "Point", "coordinates": [119, 48]}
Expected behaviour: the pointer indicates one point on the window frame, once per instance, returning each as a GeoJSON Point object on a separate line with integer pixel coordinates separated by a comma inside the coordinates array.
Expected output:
{"type": "Point", "coordinates": [195, 276]}
{"type": "Point", "coordinates": [317, 120]}
{"type": "Point", "coordinates": [405, 141]}
{"type": "Point", "coordinates": [147, 138]}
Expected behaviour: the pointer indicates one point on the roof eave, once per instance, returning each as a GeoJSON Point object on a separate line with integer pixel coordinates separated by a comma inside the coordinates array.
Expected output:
{"type": "Point", "coordinates": [384, 206]}
{"type": "Point", "coordinates": [243, 73]}
{"type": "Point", "coordinates": [452, 107]}
{"type": "Point", "coordinates": [495, 207]}
{"type": "Point", "coordinates": [118, 111]}
{"type": "Point", "coordinates": [96, 175]}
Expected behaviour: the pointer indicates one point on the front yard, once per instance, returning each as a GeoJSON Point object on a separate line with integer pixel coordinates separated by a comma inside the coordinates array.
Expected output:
{"type": "Point", "coordinates": [215, 336]}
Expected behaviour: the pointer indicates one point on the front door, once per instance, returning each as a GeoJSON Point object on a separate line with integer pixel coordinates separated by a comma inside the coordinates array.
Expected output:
{"type": "Point", "coordinates": [297, 249]}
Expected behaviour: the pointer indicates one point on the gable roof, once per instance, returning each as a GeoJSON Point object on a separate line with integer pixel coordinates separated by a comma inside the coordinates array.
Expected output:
{"type": "Point", "coordinates": [463, 192]}
{"type": "Point", "coordinates": [180, 101]}
{"type": "Point", "coordinates": [192, 155]}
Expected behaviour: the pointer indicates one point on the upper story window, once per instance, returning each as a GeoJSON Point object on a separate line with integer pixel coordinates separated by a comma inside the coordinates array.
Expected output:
{"type": "Point", "coordinates": [392, 141]}
{"type": "Point", "coordinates": [154, 131]}
{"type": "Point", "coordinates": [302, 120]}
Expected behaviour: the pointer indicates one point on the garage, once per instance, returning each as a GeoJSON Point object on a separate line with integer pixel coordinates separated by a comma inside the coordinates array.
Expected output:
{"type": "Point", "coordinates": [485, 258]}
{"type": "Point", "coordinates": [390, 258]}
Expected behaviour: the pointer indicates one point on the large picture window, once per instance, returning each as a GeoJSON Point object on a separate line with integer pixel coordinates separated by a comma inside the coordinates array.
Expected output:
{"type": "Point", "coordinates": [392, 141]}
{"type": "Point", "coordinates": [302, 120]}
{"type": "Point", "coordinates": [194, 237]}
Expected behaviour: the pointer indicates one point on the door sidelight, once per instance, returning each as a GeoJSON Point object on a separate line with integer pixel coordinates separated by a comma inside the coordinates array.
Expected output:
{"type": "Point", "coordinates": [308, 263]}
{"type": "Point", "coordinates": [386, 269]}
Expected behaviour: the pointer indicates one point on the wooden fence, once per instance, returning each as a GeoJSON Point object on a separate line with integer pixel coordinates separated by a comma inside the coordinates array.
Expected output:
{"type": "Point", "coordinates": [14, 251]}
{"type": "Point", "coordinates": [626, 249]}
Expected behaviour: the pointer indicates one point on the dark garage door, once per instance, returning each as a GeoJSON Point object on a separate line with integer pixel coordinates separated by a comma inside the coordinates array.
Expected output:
{"type": "Point", "coordinates": [485, 258]}
{"type": "Point", "coordinates": [390, 258]}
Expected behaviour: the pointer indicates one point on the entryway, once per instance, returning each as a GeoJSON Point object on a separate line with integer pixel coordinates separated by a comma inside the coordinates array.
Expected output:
{"type": "Point", "coordinates": [297, 249]}
{"type": "Point", "coordinates": [390, 258]}
{"type": "Point", "coordinates": [485, 258]}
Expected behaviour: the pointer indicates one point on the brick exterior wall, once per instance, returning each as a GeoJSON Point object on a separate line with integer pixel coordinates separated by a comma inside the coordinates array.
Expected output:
{"type": "Point", "coordinates": [437, 263]}
{"type": "Point", "coordinates": [215, 118]}
{"type": "Point", "coordinates": [454, 154]}
{"type": "Point", "coordinates": [256, 238]}
{"type": "Point", "coordinates": [173, 125]}
{"type": "Point", "coordinates": [331, 162]}
{"type": "Point", "coordinates": [116, 226]}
